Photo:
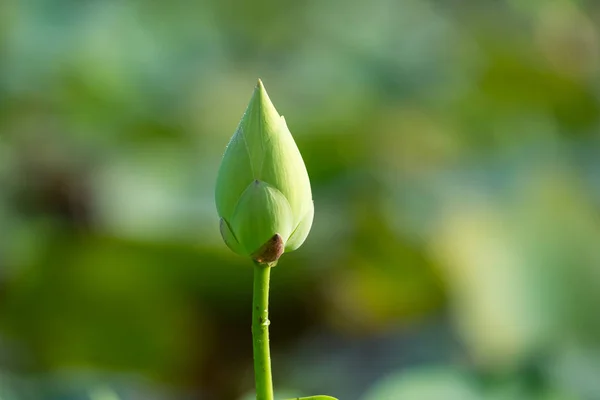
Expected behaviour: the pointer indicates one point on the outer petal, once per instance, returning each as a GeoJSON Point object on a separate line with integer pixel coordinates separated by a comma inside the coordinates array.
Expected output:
{"type": "Point", "coordinates": [230, 239]}
{"type": "Point", "coordinates": [260, 127]}
{"type": "Point", "coordinates": [284, 168]}
{"type": "Point", "coordinates": [247, 152]}
{"type": "Point", "coordinates": [301, 232]}
{"type": "Point", "coordinates": [261, 213]}
{"type": "Point", "coordinates": [273, 154]}
{"type": "Point", "coordinates": [235, 174]}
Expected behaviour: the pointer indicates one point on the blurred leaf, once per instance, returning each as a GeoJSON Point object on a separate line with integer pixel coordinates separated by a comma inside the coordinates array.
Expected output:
{"type": "Point", "coordinates": [422, 124]}
{"type": "Point", "coordinates": [425, 384]}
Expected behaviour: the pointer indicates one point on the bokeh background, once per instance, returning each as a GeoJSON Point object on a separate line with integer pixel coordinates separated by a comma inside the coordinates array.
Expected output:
{"type": "Point", "coordinates": [453, 148]}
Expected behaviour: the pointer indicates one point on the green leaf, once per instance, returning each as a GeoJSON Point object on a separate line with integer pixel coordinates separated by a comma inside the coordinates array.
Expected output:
{"type": "Point", "coordinates": [318, 397]}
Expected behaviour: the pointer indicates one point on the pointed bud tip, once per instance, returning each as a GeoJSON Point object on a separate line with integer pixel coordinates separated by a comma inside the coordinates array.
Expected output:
{"type": "Point", "coordinates": [260, 88]}
{"type": "Point", "coordinates": [261, 102]}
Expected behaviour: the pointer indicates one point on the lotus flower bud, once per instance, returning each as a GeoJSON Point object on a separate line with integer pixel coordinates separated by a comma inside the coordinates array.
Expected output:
{"type": "Point", "coordinates": [263, 193]}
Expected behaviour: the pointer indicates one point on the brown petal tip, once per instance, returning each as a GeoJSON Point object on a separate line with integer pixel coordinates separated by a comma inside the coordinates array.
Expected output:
{"type": "Point", "coordinates": [269, 252]}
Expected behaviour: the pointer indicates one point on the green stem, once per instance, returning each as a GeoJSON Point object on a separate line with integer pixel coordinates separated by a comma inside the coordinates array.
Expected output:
{"type": "Point", "coordinates": [260, 333]}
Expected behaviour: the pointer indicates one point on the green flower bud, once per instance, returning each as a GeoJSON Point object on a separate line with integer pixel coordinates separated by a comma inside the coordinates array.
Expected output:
{"type": "Point", "coordinates": [263, 193]}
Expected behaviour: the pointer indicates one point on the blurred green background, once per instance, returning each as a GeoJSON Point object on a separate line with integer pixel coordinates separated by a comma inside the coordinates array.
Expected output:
{"type": "Point", "coordinates": [453, 148]}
